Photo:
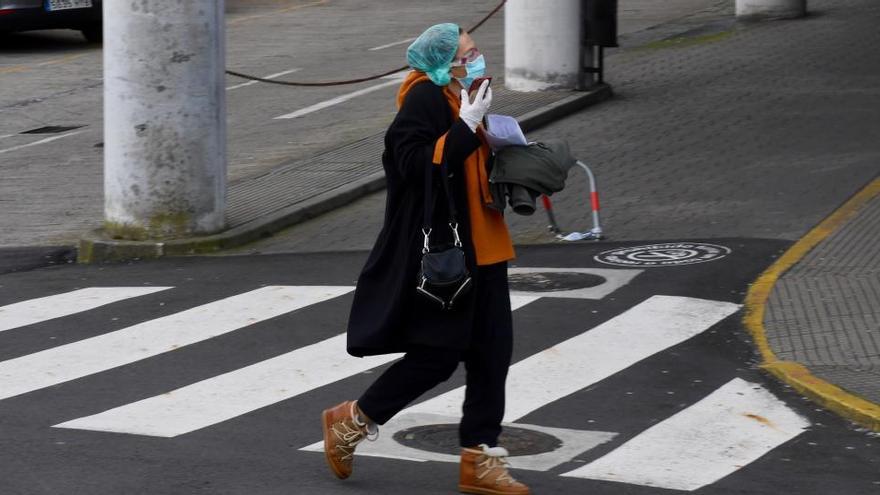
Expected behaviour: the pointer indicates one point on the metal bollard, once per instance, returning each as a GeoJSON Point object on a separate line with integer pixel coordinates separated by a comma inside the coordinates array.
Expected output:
{"type": "Point", "coordinates": [596, 232]}
{"type": "Point", "coordinates": [548, 207]}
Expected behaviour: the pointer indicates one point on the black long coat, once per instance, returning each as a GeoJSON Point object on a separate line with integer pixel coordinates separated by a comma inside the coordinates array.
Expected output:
{"type": "Point", "coordinates": [386, 315]}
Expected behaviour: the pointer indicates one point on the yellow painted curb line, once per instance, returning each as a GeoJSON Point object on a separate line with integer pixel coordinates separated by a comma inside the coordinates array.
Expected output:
{"type": "Point", "coordinates": [795, 374]}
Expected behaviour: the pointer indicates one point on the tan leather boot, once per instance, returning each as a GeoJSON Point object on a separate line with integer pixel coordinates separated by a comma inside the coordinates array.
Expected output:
{"type": "Point", "coordinates": [484, 472]}
{"type": "Point", "coordinates": [343, 431]}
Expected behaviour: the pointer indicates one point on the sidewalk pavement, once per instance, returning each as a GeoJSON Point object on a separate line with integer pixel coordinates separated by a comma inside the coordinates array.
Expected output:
{"type": "Point", "coordinates": [299, 190]}
{"type": "Point", "coordinates": [51, 190]}
{"type": "Point", "coordinates": [303, 189]}
{"type": "Point", "coordinates": [820, 330]}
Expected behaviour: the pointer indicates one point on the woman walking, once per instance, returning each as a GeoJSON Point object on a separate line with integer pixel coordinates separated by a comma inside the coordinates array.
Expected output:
{"type": "Point", "coordinates": [437, 122]}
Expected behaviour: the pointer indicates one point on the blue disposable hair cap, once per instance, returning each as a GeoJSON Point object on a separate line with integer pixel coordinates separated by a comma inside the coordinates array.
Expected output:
{"type": "Point", "coordinates": [432, 52]}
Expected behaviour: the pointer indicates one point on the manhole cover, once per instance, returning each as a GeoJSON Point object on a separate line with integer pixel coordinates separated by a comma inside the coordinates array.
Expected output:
{"type": "Point", "coordinates": [443, 439]}
{"type": "Point", "coordinates": [552, 282]}
{"type": "Point", "coordinates": [52, 129]}
{"type": "Point", "coordinates": [666, 254]}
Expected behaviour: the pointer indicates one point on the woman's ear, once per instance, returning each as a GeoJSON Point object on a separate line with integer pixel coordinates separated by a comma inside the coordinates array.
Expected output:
{"type": "Point", "coordinates": [458, 71]}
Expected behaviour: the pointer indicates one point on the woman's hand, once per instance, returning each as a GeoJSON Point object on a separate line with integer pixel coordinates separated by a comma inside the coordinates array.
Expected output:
{"type": "Point", "coordinates": [472, 112]}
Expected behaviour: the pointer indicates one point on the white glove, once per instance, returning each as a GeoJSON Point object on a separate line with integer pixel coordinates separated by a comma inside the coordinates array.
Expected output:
{"type": "Point", "coordinates": [472, 113]}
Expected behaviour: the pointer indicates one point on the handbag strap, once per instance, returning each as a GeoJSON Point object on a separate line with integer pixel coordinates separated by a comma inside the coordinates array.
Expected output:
{"type": "Point", "coordinates": [430, 202]}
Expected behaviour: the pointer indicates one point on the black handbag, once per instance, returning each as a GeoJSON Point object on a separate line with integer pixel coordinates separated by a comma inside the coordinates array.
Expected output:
{"type": "Point", "coordinates": [443, 274]}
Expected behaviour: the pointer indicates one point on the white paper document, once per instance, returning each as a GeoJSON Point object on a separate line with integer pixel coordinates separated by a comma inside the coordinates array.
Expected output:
{"type": "Point", "coordinates": [503, 130]}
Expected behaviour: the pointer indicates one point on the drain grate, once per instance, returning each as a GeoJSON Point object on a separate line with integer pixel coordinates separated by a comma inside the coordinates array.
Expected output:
{"type": "Point", "coordinates": [552, 282]}
{"type": "Point", "coordinates": [443, 439]}
{"type": "Point", "coordinates": [52, 129]}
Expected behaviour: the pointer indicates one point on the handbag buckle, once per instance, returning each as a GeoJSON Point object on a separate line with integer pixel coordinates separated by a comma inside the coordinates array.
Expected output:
{"type": "Point", "coordinates": [444, 304]}
{"type": "Point", "coordinates": [426, 247]}
{"type": "Point", "coordinates": [454, 227]}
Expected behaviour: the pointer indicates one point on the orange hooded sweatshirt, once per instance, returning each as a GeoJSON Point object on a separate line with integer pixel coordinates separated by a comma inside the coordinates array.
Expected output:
{"type": "Point", "coordinates": [489, 233]}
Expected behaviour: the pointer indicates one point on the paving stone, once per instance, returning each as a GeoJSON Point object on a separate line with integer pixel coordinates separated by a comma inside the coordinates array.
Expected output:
{"type": "Point", "coordinates": [759, 130]}
{"type": "Point", "coordinates": [825, 311]}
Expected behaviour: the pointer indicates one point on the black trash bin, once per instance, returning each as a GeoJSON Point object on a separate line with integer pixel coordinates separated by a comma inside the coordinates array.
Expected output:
{"type": "Point", "coordinates": [599, 31]}
{"type": "Point", "coordinates": [600, 22]}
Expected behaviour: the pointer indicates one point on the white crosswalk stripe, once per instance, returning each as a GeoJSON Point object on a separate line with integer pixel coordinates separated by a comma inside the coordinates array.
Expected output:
{"type": "Point", "coordinates": [96, 354]}
{"type": "Point", "coordinates": [732, 427]}
{"type": "Point", "coordinates": [232, 394]}
{"type": "Point", "coordinates": [656, 324]}
{"type": "Point", "coordinates": [50, 307]}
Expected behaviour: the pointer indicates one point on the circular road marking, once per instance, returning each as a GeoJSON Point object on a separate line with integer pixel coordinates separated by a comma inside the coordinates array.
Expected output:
{"type": "Point", "coordinates": [665, 254]}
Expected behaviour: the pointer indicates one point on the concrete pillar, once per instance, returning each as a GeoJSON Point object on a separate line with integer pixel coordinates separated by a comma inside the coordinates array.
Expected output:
{"type": "Point", "coordinates": [164, 118]}
{"type": "Point", "coordinates": [771, 8]}
{"type": "Point", "coordinates": [541, 44]}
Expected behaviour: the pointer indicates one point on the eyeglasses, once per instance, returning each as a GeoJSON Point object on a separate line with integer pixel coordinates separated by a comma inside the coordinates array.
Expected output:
{"type": "Point", "coordinates": [469, 56]}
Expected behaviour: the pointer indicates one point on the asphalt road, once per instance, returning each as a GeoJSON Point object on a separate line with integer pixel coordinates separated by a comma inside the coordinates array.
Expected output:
{"type": "Point", "coordinates": [208, 375]}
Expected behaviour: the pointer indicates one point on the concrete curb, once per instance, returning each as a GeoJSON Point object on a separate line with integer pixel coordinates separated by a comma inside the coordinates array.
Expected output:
{"type": "Point", "coordinates": [96, 247]}
{"type": "Point", "coordinates": [795, 374]}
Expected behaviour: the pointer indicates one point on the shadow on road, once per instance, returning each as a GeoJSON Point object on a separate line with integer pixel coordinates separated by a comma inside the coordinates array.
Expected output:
{"type": "Point", "coordinates": [49, 41]}
{"type": "Point", "coordinates": [20, 259]}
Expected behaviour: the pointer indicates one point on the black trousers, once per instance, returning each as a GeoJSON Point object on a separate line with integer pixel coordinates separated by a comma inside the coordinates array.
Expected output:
{"type": "Point", "coordinates": [486, 362]}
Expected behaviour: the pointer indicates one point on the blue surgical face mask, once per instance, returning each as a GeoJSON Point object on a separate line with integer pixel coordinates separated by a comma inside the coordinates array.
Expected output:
{"type": "Point", "coordinates": [475, 69]}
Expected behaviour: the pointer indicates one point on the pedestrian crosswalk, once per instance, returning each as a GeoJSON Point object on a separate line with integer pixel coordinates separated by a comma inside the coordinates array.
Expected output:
{"type": "Point", "coordinates": [657, 323]}
{"type": "Point", "coordinates": [712, 438]}
{"type": "Point", "coordinates": [232, 394]}
{"type": "Point", "coordinates": [235, 393]}
{"type": "Point", "coordinates": [56, 306]}
{"type": "Point", "coordinates": [733, 426]}
{"type": "Point", "coordinates": [144, 340]}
